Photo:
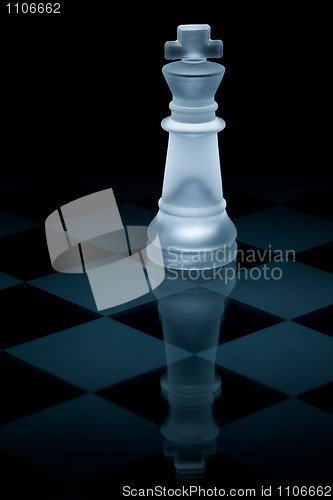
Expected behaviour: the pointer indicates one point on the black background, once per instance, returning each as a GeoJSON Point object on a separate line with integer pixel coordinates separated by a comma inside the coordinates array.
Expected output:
{"type": "Point", "coordinates": [83, 90]}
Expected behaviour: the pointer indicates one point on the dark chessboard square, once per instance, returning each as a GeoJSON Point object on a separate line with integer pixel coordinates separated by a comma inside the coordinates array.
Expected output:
{"type": "Point", "coordinates": [322, 397]}
{"type": "Point", "coordinates": [321, 320]}
{"type": "Point", "coordinates": [144, 318]}
{"type": "Point", "coordinates": [319, 204]}
{"type": "Point", "coordinates": [249, 256]}
{"type": "Point", "coordinates": [319, 257]}
{"type": "Point", "coordinates": [22, 480]}
{"type": "Point", "coordinates": [28, 313]}
{"type": "Point", "coordinates": [26, 389]}
{"type": "Point", "coordinates": [140, 395]}
{"type": "Point", "coordinates": [240, 203]}
{"type": "Point", "coordinates": [241, 319]}
{"type": "Point", "coordinates": [36, 202]}
{"type": "Point", "coordinates": [25, 255]}
{"type": "Point", "coordinates": [241, 396]}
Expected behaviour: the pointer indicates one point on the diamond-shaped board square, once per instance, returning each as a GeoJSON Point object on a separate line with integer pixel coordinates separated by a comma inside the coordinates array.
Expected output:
{"type": "Point", "coordinates": [322, 397]}
{"type": "Point", "coordinates": [7, 281]}
{"type": "Point", "coordinates": [140, 395]}
{"type": "Point", "coordinates": [26, 389]}
{"type": "Point", "coordinates": [289, 442]}
{"type": "Point", "coordinates": [96, 354]}
{"type": "Point", "coordinates": [12, 224]}
{"type": "Point", "coordinates": [241, 319]}
{"type": "Point", "coordinates": [319, 257]}
{"type": "Point", "coordinates": [282, 228]}
{"type": "Point", "coordinates": [145, 318]}
{"type": "Point", "coordinates": [25, 255]}
{"type": "Point", "coordinates": [321, 320]}
{"type": "Point", "coordinates": [81, 438]}
{"type": "Point", "coordinates": [251, 396]}
{"type": "Point", "coordinates": [287, 357]}
{"type": "Point", "coordinates": [29, 313]}
{"type": "Point", "coordinates": [286, 289]}
{"type": "Point", "coordinates": [249, 256]}
{"type": "Point", "coordinates": [76, 289]}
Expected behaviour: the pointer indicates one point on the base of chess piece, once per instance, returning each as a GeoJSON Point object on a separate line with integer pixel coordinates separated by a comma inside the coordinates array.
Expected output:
{"type": "Point", "coordinates": [195, 242]}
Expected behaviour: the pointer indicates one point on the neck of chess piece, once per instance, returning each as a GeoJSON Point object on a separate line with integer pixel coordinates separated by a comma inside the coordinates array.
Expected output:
{"type": "Point", "coordinates": [192, 222]}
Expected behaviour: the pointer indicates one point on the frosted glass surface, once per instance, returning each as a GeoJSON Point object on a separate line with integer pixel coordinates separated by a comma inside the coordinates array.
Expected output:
{"type": "Point", "coordinates": [192, 172]}
{"type": "Point", "coordinates": [193, 85]}
{"type": "Point", "coordinates": [193, 42]}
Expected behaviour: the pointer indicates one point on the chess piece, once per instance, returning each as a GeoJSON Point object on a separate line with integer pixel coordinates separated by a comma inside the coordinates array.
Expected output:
{"type": "Point", "coordinates": [192, 223]}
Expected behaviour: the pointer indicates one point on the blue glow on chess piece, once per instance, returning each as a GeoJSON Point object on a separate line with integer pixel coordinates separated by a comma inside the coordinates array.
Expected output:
{"type": "Point", "coordinates": [193, 226]}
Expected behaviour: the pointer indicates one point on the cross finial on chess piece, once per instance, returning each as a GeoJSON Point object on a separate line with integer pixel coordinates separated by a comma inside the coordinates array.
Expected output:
{"type": "Point", "coordinates": [193, 44]}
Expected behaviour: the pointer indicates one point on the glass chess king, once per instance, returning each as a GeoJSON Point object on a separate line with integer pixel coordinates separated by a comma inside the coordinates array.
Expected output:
{"type": "Point", "coordinates": [192, 223]}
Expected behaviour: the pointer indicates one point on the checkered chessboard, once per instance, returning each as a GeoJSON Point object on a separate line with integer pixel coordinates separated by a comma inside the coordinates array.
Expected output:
{"type": "Point", "coordinates": [82, 408]}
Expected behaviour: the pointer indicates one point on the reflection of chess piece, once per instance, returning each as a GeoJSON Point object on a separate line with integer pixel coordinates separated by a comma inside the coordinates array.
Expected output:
{"type": "Point", "coordinates": [192, 220]}
{"type": "Point", "coordinates": [191, 320]}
